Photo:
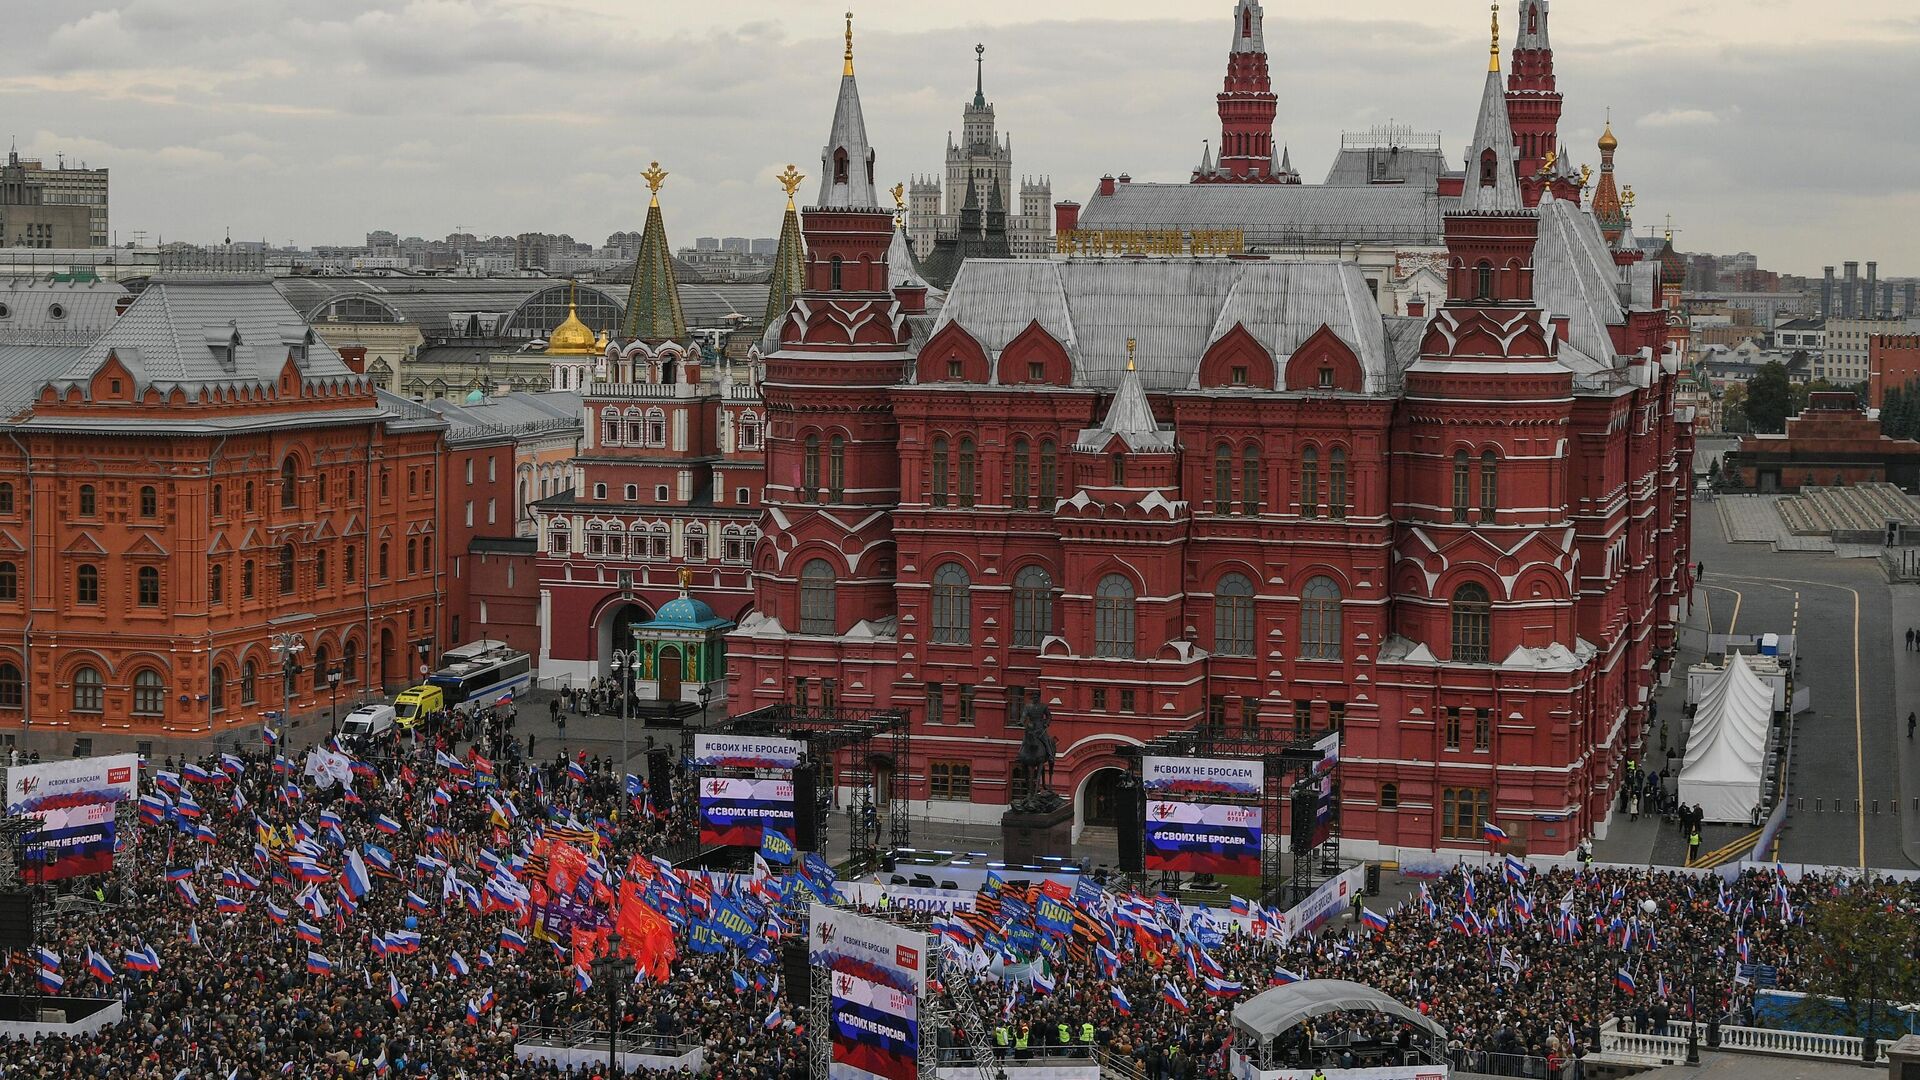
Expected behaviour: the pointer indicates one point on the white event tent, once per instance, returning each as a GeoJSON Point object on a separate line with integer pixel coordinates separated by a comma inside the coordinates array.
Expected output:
{"type": "Point", "coordinates": [1727, 749]}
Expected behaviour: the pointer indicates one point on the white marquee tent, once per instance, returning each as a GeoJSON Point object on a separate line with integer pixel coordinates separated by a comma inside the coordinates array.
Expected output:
{"type": "Point", "coordinates": [1727, 749]}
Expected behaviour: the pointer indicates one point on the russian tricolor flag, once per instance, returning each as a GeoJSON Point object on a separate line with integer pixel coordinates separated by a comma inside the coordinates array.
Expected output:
{"type": "Point", "coordinates": [512, 942]}
{"type": "Point", "coordinates": [277, 913]}
{"type": "Point", "coordinates": [396, 993]}
{"type": "Point", "coordinates": [1281, 977]}
{"type": "Point", "coordinates": [1373, 919]}
{"type": "Point", "coordinates": [1494, 833]}
{"type": "Point", "coordinates": [582, 982]}
{"type": "Point", "coordinates": [142, 959]}
{"type": "Point", "coordinates": [99, 966]}
{"type": "Point", "coordinates": [51, 981]}
{"type": "Point", "coordinates": [385, 824]}
{"type": "Point", "coordinates": [1623, 979]}
{"type": "Point", "coordinates": [416, 902]}
{"type": "Point", "coordinates": [354, 877]}
{"type": "Point", "coordinates": [227, 905]}
{"type": "Point", "coordinates": [576, 772]}
{"type": "Point", "coordinates": [1119, 1000]}
{"type": "Point", "coordinates": [1170, 991]}
{"type": "Point", "coordinates": [318, 964]}
{"type": "Point", "coordinates": [457, 966]}
{"type": "Point", "coordinates": [307, 932]}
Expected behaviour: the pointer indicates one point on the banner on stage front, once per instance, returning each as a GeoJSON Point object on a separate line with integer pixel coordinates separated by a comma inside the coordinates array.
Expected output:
{"type": "Point", "coordinates": [745, 752]}
{"type": "Point", "coordinates": [735, 812]}
{"type": "Point", "coordinates": [82, 781]}
{"type": "Point", "coordinates": [1190, 778]}
{"type": "Point", "coordinates": [1203, 838]}
{"type": "Point", "coordinates": [876, 1030]}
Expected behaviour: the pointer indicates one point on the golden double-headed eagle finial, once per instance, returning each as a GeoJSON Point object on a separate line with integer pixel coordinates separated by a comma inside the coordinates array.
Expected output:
{"type": "Point", "coordinates": [1586, 176]}
{"type": "Point", "coordinates": [1627, 196]}
{"type": "Point", "coordinates": [654, 176]}
{"type": "Point", "coordinates": [1546, 166]}
{"type": "Point", "coordinates": [791, 181]}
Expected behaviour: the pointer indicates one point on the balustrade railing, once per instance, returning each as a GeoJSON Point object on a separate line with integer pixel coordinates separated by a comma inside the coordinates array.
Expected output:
{"type": "Point", "coordinates": [1672, 1047]}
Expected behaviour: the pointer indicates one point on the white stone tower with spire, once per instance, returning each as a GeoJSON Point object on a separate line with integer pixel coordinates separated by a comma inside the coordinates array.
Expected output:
{"type": "Point", "coordinates": [984, 156]}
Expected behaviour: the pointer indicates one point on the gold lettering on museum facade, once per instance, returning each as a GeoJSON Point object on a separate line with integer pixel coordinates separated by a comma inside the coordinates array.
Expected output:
{"type": "Point", "coordinates": [1162, 243]}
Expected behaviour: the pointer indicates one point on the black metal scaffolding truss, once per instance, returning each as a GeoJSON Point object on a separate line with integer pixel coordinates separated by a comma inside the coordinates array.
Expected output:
{"type": "Point", "coordinates": [847, 741]}
{"type": "Point", "coordinates": [1287, 758]}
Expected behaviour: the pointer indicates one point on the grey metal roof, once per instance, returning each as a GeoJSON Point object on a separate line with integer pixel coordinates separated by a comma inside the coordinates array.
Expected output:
{"type": "Point", "coordinates": [1416, 167]}
{"type": "Point", "coordinates": [1174, 309]}
{"type": "Point", "coordinates": [1276, 215]}
{"type": "Point", "coordinates": [26, 369]}
{"type": "Point", "coordinates": [504, 415]}
{"type": "Point", "coordinates": [850, 134]}
{"type": "Point", "coordinates": [434, 305]}
{"type": "Point", "coordinates": [1271, 1012]}
{"type": "Point", "coordinates": [1492, 130]}
{"type": "Point", "coordinates": [175, 332]}
{"type": "Point", "coordinates": [1253, 38]}
{"type": "Point", "coordinates": [1130, 416]}
{"type": "Point", "coordinates": [1574, 275]}
{"type": "Point", "coordinates": [1533, 32]}
{"type": "Point", "coordinates": [37, 312]}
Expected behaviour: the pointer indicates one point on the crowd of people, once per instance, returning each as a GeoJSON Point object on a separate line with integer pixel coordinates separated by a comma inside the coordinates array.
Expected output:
{"type": "Point", "coordinates": [231, 933]}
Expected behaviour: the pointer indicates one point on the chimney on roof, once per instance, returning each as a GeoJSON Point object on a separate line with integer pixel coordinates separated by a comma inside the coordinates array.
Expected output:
{"type": "Point", "coordinates": [1417, 306]}
{"type": "Point", "coordinates": [1106, 185]}
{"type": "Point", "coordinates": [1126, 179]}
{"type": "Point", "coordinates": [1066, 216]}
{"type": "Point", "coordinates": [355, 357]}
{"type": "Point", "coordinates": [1562, 327]}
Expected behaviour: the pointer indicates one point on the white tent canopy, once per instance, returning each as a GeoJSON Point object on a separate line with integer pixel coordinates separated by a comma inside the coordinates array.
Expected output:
{"type": "Point", "coordinates": [1727, 749]}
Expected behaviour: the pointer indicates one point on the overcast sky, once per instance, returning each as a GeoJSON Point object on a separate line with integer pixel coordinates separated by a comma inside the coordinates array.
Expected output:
{"type": "Point", "coordinates": [1782, 127]}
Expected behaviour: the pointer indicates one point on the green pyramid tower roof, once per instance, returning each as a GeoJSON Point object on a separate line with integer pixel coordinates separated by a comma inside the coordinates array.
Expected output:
{"type": "Point", "coordinates": [789, 268]}
{"type": "Point", "coordinates": [653, 301]}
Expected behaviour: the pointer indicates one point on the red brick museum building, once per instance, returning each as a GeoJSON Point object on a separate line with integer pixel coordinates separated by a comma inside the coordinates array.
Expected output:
{"type": "Point", "coordinates": [1157, 493]}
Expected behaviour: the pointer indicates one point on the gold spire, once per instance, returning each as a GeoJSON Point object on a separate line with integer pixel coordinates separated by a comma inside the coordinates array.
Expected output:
{"type": "Point", "coordinates": [791, 181]}
{"type": "Point", "coordinates": [1607, 140]}
{"type": "Point", "coordinates": [848, 70]}
{"type": "Point", "coordinates": [654, 177]}
{"type": "Point", "coordinates": [1493, 51]}
{"type": "Point", "coordinates": [1129, 354]}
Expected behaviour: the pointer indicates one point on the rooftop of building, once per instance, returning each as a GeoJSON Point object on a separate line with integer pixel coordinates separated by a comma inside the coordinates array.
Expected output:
{"type": "Point", "coordinates": [499, 416]}
{"type": "Point", "coordinates": [40, 311]}
{"type": "Point", "coordinates": [1277, 215]}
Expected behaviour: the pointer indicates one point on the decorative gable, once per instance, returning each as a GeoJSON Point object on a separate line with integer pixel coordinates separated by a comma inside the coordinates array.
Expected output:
{"type": "Point", "coordinates": [1324, 362]}
{"type": "Point", "coordinates": [1237, 360]}
{"type": "Point", "coordinates": [112, 381]}
{"type": "Point", "coordinates": [953, 355]}
{"type": "Point", "coordinates": [1034, 357]}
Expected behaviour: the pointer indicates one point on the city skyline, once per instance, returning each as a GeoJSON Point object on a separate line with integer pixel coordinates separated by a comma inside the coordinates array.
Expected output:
{"type": "Point", "coordinates": [516, 116]}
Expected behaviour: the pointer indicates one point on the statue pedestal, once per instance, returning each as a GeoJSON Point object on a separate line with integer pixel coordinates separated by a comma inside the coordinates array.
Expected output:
{"type": "Point", "coordinates": [1029, 837]}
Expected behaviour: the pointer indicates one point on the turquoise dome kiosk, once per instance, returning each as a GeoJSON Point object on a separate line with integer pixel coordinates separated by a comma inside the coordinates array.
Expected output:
{"type": "Point", "coordinates": [682, 649]}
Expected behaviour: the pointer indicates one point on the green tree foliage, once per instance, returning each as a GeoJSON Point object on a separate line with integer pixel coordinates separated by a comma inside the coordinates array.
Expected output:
{"type": "Point", "coordinates": [1900, 411]}
{"type": "Point", "coordinates": [1769, 398]}
{"type": "Point", "coordinates": [1858, 946]}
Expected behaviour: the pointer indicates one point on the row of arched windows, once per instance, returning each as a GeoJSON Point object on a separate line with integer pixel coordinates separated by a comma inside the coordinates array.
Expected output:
{"type": "Point", "coordinates": [836, 471]}
{"type": "Point", "coordinates": [633, 427]}
{"type": "Point", "coordinates": [953, 473]}
{"type": "Point", "coordinates": [1463, 482]}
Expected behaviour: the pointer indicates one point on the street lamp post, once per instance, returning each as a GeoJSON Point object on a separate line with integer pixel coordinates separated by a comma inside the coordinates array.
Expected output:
{"type": "Point", "coordinates": [288, 646]}
{"type": "Point", "coordinates": [706, 695]}
{"type": "Point", "coordinates": [607, 970]}
{"type": "Point", "coordinates": [333, 689]}
{"type": "Point", "coordinates": [623, 662]}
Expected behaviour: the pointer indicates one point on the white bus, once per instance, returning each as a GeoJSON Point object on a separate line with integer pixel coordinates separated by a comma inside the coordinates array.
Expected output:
{"type": "Point", "coordinates": [482, 674]}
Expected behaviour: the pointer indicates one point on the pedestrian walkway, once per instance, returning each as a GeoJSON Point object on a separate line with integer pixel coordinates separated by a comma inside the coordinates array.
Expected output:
{"type": "Point", "coordinates": [1906, 699]}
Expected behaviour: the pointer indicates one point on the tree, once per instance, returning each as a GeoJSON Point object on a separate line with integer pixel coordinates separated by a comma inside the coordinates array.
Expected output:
{"type": "Point", "coordinates": [1733, 409]}
{"type": "Point", "coordinates": [1858, 946]}
{"type": "Point", "coordinates": [1769, 398]}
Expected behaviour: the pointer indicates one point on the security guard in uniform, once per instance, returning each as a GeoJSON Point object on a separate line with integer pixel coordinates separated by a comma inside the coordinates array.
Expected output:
{"type": "Point", "coordinates": [1066, 1034]}
{"type": "Point", "coordinates": [1086, 1032]}
{"type": "Point", "coordinates": [1001, 1037]}
{"type": "Point", "coordinates": [1020, 1042]}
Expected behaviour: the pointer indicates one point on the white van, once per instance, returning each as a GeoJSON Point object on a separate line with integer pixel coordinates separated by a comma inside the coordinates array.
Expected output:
{"type": "Point", "coordinates": [368, 720]}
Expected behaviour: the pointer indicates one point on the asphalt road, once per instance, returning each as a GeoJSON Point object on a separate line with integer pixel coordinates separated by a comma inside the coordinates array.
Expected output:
{"type": "Point", "coordinates": [1844, 754]}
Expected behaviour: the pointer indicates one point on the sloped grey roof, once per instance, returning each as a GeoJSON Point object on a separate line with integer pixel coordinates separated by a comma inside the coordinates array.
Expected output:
{"type": "Point", "coordinates": [1574, 275]}
{"type": "Point", "coordinates": [849, 133]}
{"type": "Point", "coordinates": [1533, 34]}
{"type": "Point", "coordinates": [1277, 215]}
{"type": "Point", "coordinates": [1130, 416]}
{"type": "Point", "coordinates": [507, 414]}
{"type": "Point", "coordinates": [1413, 167]}
{"type": "Point", "coordinates": [36, 312]}
{"type": "Point", "coordinates": [1174, 309]}
{"type": "Point", "coordinates": [1256, 40]}
{"type": "Point", "coordinates": [430, 304]}
{"type": "Point", "coordinates": [166, 338]}
{"type": "Point", "coordinates": [1271, 1012]}
{"type": "Point", "coordinates": [1492, 130]}
{"type": "Point", "coordinates": [26, 369]}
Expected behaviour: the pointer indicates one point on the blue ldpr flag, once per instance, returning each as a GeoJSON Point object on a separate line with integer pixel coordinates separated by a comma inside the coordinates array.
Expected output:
{"type": "Point", "coordinates": [776, 847]}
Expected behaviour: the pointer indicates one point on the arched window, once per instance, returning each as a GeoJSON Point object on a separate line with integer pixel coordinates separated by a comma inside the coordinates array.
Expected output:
{"type": "Point", "coordinates": [635, 427]}
{"type": "Point", "coordinates": [246, 580]}
{"type": "Point", "coordinates": [1337, 483]}
{"type": "Point", "coordinates": [286, 569]}
{"type": "Point", "coordinates": [1472, 616]}
{"type": "Point", "coordinates": [1389, 796]}
{"type": "Point", "coordinates": [817, 615]}
{"type": "Point", "coordinates": [834, 269]}
{"type": "Point", "coordinates": [1483, 281]}
{"type": "Point", "coordinates": [937, 486]}
{"type": "Point", "coordinates": [289, 475]}
{"type": "Point", "coordinates": [149, 501]}
{"type": "Point", "coordinates": [656, 427]}
{"type": "Point", "coordinates": [1048, 486]}
{"type": "Point", "coordinates": [560, 548]}
{"type": "Point", "coordinates": [426, 554]}
{"type": "Point", "coordinates": [836, 468]}
{"type": "Point", "coordinates": [350, 662]}
{"type": "Point", "coordinates": [6, 497]}
{"type": "Point", "coordinates": [1113, 617]}
{"type": "Point", "coordinates": [321, 560]}
{"type": "Point", "coordinates": [749, 432]}
{"type": "Point", "coordinates": [1462, 477]}
{"type": "Point", "coordinates": [696, 543]}
{"type": "Point", "coordinates": [1489, 168]}
{"type": "Point", "coordinates": [320, 486]}
{"type": "Point", "coordinates": [952, 605]}
{"type": "Point", "coordinates": [810, 469]}
{"type": "Point", "coordinates": [609, 426]}
{"type": "Point", "coordinates": [246, 494]}
{"type": "Point", "coordinates": [1233, 616]}
{"type": "Point", "coordinates": [149, 694]}
{"type": "Point", "coordinates": [9, 581]}
{"type": "Point", "coordinates": [217, 689]}
{"type": "Point", "coordinates": [147, 586]}
{"type": "Point", "coordinates": [349, 564]}
{"type": "Point", "coordinates": [1223, 479]}
{"type": "Point", "coordinates": [89, 693]}
{"type": "Point", "coordinates": [840, 165]}
{"type": "Point", "coordinates": [966, 472]}
{"type": "Point", "coordinates": [216, 584]}
{"type": "Point", "coordinates": [1489, 485]}
{"type": "Point", "coordinates": [218, 499]}
{"type": "Point", "coordinates": [1032, 607]}
{"type": "Point", "coordinates": [1320, 634]}
{"type": "Point", "coordinates": [322, 661]}
{"type": "Point", "coordinates": [1250, 500]}
{"type": "Point", "coordinates": [13, 691]}
{"type": "Point", "coordinates": [86, 584]}
{"type": "Point", "coordinates": [88, 505]}
{"type": "Point", "coordinates": [249, 683]}
{"type": "Point", "coordinates": [1022, 483]}
{"type": "Point", "coordinates": [1309, 483]}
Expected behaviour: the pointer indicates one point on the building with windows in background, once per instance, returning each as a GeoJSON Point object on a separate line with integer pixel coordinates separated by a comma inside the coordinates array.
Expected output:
{"type": "Point", "coordinates": [1151, 494]}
